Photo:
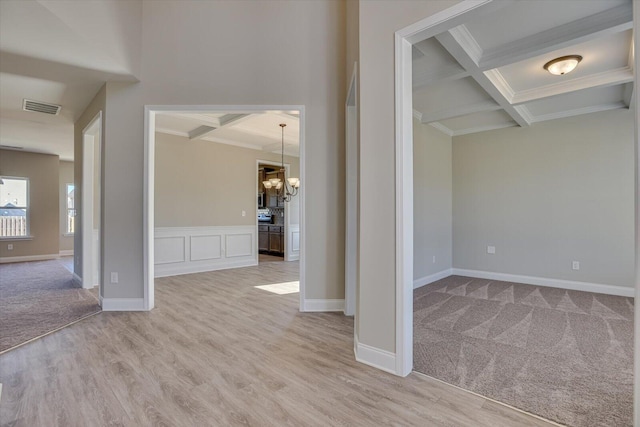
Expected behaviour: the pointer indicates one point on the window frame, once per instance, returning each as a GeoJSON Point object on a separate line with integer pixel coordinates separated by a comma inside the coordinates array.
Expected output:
{"type": "Point", "coordinates": [68, 210]}
{"type": "Point", "coordinates": [27, 209]}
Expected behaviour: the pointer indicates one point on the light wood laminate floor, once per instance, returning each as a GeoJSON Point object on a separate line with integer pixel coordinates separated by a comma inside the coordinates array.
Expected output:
{"type": "Point", "coordinates": [217, 351]}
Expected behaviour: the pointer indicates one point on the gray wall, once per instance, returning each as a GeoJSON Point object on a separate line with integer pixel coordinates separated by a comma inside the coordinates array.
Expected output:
{"type": "Point", "coordinates": [284, 53]}
{"type": "Point", "coordinates": [547, 195]}
{"type": "Point", "coordinates": [44, 211]}
{"type": "Point", "coordinates": [432, 201]}
{"type": "Point", "coordinates": [66, 177]}
{"type": "Point", "coordinates": [203, 183]}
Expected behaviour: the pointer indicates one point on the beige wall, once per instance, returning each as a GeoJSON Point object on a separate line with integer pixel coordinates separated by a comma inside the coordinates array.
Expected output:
{"type": "Point", "coordinates": [432, 201]}
{"type": "Point", "coordinates": [44, 211]}
{"type": "Point", "coordinates": [66, 177]}
{"type": "Point", "coordinates": [97, 105]}
{"type": "Point", "coordinates": [544, 196]}
{"type": "Point", "coordinates": [203, 183]}
{"type": "Point", "coordinates": [379, 20]}
{"type": "Point", "coordinates": [281, 53]}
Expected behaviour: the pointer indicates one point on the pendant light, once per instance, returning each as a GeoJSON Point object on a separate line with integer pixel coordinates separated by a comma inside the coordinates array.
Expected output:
{"type": "Point", "coordinates": [288, 188]}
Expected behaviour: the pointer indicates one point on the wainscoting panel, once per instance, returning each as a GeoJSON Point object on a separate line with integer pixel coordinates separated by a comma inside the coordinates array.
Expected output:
{"type": "Point", "coordinates": [293, 243]}
{"type": "Point", "coordinates": [169, 249]}
{"type": "Point", "coordinates": [184, 250]}
{"type": "Point", "coordinates": [206, 247]}
{"type": "Point", "coordinates": [240, 244]}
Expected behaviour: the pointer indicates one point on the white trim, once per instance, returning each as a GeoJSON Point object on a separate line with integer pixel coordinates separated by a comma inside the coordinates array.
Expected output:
{"type": "Point", "coordinates": [323, 305]}
{"type": "Point", "coordinates": [372, 356]}
{"type": "Point", "coordinates": [90, 132]}
{"type": "Point", "coordinates": [403, 358]}
{"type": "Point", "coordinates": [442, 128]}
{"type": "Point", "coordinates": [45, 257]}
{"type": "Point", "coordinates": [351, 232]}
{"type": "Point", "coordinates": [549, 282]}
{"type": "Point", "coordinates": [422, 281]}
{"type": "Point", "coordinates": [66, 252]}
{"type": "Point", "coordinates": [77, 279]}
{"type": "Point", "coordinates": [122, 304]}
{"type": "Point", "coordinates": [149, 182]}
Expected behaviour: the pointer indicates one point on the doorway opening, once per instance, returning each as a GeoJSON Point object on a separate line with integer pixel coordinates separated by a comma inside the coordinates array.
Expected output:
{"type": "Point", "coordinates": [204, 217]}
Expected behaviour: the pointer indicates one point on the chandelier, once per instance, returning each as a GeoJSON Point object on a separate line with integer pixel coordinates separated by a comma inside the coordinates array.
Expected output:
{"type": "Point", "coordinates": [288, 188]}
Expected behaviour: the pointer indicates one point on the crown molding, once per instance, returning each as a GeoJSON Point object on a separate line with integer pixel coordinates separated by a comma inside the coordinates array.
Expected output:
{"type": "Point", "coordinates": [483, 128]}
{"type": "Point", "coordinates": [442, 128]}
{"type": "Point", "coordinates": [459, 111]}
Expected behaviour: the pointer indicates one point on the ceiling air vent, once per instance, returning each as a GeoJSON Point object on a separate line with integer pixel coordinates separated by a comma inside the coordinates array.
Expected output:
{"type": "Point", "coordinates": [40, 107]}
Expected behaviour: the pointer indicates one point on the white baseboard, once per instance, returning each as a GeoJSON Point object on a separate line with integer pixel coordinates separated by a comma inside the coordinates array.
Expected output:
{"type": "Point", "coordinates": [323, 305]}
{"type": "Point", "coordinates": [552, 283]}
{"type": "Point", "coordinates": [122, 304]}
{"type": "Point", "coordinates": [375, 357]}
{"type": "Point", "coordinates": [66, 252]}
{"type": "Point", "coordinates": [5, 260]}
{"type": "Point", "coordinates": [431, 278]}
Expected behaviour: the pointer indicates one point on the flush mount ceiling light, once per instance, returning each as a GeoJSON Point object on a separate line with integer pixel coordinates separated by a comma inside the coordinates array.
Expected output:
{"type": "Point", "coordinates": [288, 188]}
{"type": "Point", "coordinates": [562, 65]}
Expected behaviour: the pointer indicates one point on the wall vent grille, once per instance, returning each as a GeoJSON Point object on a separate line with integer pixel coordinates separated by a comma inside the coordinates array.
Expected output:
{"type": "Point", "coordinates": [40, 107]}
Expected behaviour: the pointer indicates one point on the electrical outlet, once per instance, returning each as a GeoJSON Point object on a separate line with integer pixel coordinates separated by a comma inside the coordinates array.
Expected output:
{"type": "Point", "coordinates": [10, 247]}
{"type": "Point", "coordinates": [575, 265]}
{"type": "Point", "coordinates": [434, 259]}
{"type": "Point", "coordinates": [114, 277]}
{"type": "Point", "coordinates": [244, 213]}
{"type": "Point", "coordinates": [491, 249]}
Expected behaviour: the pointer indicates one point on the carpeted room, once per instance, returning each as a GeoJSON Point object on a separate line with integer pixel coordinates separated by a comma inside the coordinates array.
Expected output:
{"type": "Point", "coordinates": [517, 322]}
{"type": "Point", "coordinates": [37, 290]}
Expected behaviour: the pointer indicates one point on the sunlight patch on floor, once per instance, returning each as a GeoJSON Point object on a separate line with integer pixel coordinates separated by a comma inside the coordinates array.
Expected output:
{"type": "Point", "coordinates": [281, 288]}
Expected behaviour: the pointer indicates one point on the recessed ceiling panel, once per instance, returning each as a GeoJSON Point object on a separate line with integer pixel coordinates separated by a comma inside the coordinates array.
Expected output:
{"type": "Point", "coordinates": [584, 99]}
{"type": "Point", "coordinates": [449, 94]}
{"type": "Point", "coordinates": [479, 121]}
{"type": "Point", "coordinates": [599, 55]}
{"type": "Point", "coordinates": [524, 18]}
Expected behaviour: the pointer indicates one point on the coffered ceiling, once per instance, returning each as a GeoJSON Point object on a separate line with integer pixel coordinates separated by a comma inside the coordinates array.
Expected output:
{"type": "Point", "coordinates": [488, 73]}
{"type": "Point", "coordinates": [257, 131]}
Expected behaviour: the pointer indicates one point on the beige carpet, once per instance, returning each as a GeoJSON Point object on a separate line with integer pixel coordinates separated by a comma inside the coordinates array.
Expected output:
{"type": "Point", "coordinates": [37, 298]}
{"type": "Point", "coordinates": [564, 355]}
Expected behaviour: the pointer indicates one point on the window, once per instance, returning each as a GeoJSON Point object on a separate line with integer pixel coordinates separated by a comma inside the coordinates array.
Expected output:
{"type": "Point", "coordinates": [71, 211]}
{"type": "Point", "coordinates": [14, 207]}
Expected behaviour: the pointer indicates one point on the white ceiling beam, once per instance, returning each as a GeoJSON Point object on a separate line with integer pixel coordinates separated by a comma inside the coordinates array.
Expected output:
{"type": "Point", "coordinates": [627, 95]}
{"type": "Point", "coordinates": [517, 113]}
{"type": "Point", "coordinates": [605, 78]}
{"type": "Point", "coordinates": [579, 111]}
{"type": "Point", "coordinates": [460, 111]}
{"type": "Point", "coordinates": [424, 74]}
{"type": "Point", "coordinates": [227, 119]}
{"type": "Point", "coordinates": [200, 131]}
{"type": "Point", "coordinates": [610, 21]}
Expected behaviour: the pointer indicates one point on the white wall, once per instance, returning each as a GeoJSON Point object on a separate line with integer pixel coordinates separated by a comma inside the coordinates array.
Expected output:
{"type": "Point", "coordinates": [233, 53]}
{"type": "Point", "coordinates": [544, 196]}
{"type": "Point", "coordinates": [432, 202]}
